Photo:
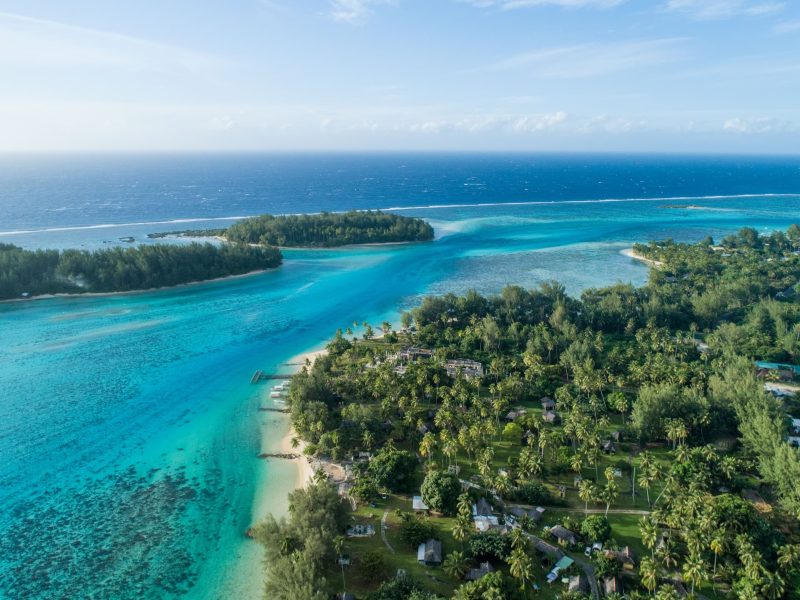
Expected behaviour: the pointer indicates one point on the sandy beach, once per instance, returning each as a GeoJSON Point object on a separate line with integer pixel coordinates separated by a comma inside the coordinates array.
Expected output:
{"type": "Point", "coordinates": [631, 253]}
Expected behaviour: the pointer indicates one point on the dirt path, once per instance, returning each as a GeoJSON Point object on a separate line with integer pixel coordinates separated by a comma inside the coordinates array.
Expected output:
{"type": "Point", "coordinates": [383, 531]}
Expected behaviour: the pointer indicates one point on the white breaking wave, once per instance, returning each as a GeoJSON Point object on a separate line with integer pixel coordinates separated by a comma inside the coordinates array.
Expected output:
{"type": "Point", "coordinates": [116, 225]}
{"type": "Point", "coordinates": [599, 201]}
{"type": "Point", "coordinates": [397, 209]}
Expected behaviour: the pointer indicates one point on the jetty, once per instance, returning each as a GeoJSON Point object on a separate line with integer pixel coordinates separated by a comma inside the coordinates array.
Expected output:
{"type": "Point", "coordinates": [286, 455]}
{"type": "Point", "coordinates": [270, 409]}
{"type": "Point", "coordinates": [261, 376]}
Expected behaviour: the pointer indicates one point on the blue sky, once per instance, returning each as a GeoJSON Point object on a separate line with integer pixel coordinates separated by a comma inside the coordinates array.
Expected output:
{"type": "Point", "coordinates": [562, 75]}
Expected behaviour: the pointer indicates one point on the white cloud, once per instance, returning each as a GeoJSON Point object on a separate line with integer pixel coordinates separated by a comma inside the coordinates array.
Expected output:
{"type": "Point", "coordinates": [590, 60]}
{"type": "Point", "coordinates": [539, 122]}
{"type": "Point", "coordinates": [721, 9]}
{"type": "Point", "coordinates": [754, 125]}
{"type": "Point", "coordinates": [27, 41]}
{"type": "Point", "coordinates": [513, 4]}
{"type": "Point", "coordinates": [787, 27]}
{"type": "Point", "coordinates": [353, 12]}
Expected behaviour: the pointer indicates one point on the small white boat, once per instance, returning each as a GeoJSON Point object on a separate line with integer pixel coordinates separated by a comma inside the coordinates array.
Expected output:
{"type": "Point", "coordinates": [276, 395]}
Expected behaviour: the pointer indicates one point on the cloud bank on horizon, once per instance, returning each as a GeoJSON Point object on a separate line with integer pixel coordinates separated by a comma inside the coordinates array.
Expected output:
{"type": "Point", "coordinates": [563, 75]}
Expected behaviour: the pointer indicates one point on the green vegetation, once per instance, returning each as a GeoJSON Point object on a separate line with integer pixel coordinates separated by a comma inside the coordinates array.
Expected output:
{"type": "Point", "coordinates": [124, 269]}
{"type": "Point", "coordinates": [635, 417]}
{"type": "Point", "coordinates": [299, 550]}
{"type": "Point", "coordinates": [329, 229]}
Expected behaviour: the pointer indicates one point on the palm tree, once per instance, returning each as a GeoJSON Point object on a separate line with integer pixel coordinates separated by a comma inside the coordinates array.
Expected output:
{"type": "Point", "coordinates": [456, 564]}
{"type": "Point", "coordinates": [464, 505]}
{"type": "Point", "coordinates": [667, 592]}
{"type": "Point", "coordinates": [520, 566]}
{"type": "Point", "coordinates": [789, 557]}
{"type": "Point", "coordinates": [462, 529]}
{"type": "Point", "coordinates": [648, 574]}
{"type": "Point", "coordinates": [717, 546]}
{"type": "Point", "coordinates": [586, 492]}
{"type": "Point", "coordinates": [338, 544]}
{"type": "Point", "coordinates": [427, 445]}
{"type": "Point", "coordinates": [694, 570]}
{"type": "Point", "coordinates": [519, 541]}
{"type": "Point", "coordinates": [773, 585]}
{"type": "Point", "coordinates": [649, 530]}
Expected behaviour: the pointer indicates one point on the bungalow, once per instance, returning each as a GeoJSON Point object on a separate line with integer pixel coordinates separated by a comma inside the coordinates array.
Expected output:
{"type": "Point", "coordinates": [534, 514]}
{"type": "Point", "coordinates": [795, 424]}
{"type": "Point", "coordinates": [468, 368]}
{"type": "Point", "coordinates": [564, 563]}
{"type": "Point", "coordinates": [430, 553]}
{"type": "Point", "coordinates": [578, 583]}
{"type": "Point", "coordinates": [548, 404]}
{"type": "Point", "coordinates": [513, 415]}
{"type": "Point", "coordinates": [612, 585]}
{"type": "Point", "coordinates": [609, 447]}
{"type": "Point", "coordinates": [564, 536]}
{"type": "Point", "coordinates": [482, 571]}
{"type": "Point", "coordinates": [417, 504]}
{"type": "Point", "coordinates": [548, 549]}
{"type": "Point", "coordinates": [624, 556]}
{"type": "Point", "coordinates": [481, 508]}
{"type": "Point", "coordinates": [551, 417]}
{"type": "Point", "coordinates": [486, 523]}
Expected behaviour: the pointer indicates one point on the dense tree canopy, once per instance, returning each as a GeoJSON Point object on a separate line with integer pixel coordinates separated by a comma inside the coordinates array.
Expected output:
{"type": "Point", "coordinates": [125, 269]}
{"type": "Point", "coordinates": [329, 229]}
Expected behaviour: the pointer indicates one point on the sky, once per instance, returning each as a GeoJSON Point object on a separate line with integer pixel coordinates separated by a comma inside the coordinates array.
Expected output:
{"type": "Point", "coordinates": [397, 75]}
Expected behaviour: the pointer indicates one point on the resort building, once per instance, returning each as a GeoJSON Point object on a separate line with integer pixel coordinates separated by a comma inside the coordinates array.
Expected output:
{"type": "Point", "coordinates": [481, 508]}
{"type": "Point", "coordinates": [482, 571]}
{"type": "Point", "coordinates": [564, 536]}
{"type": "Point", "coordinates": [612, 585]}
{"type": "Point", "coordinates": [515, 414]}
{"type": "Point", "coordinates": [468, 368]}
{"type": "Point", "coordinates": [548, 404]}
{"type": "Point", "coordinates": [578, 583]}
{"type": "Point", "coordinates": [418, 505]}
{"type": "Point", "coordinates": [564, 563]}
{"type": "Point", "coordinates": [551, 417]}
{"type": "Point", "coordinates": [624, 556]}
{"type": "Point", "coordinates": [430, 553]}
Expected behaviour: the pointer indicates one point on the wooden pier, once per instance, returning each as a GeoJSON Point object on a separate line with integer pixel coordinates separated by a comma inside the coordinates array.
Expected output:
{"type": "Point", "coordinates": [261, 376]}
{"type": "Point", "coordinates": [270, 409]}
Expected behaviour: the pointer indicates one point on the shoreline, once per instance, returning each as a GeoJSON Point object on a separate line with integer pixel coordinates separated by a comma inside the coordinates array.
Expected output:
{"type": "Point", "coordinates": [134, 292]}
{"type": "Point", "coordinates": [631, 253]}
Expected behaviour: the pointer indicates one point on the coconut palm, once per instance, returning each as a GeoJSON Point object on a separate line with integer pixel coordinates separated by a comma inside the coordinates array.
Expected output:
{"type": "Point", "coordinates": [773, 586]}
{"type": "Point", "coordinates": [586, 492]}
{"type": "Point", "coordinates": [649, 530]}
{"type": "Point", "coordinates": [648, 574]}
{"type": "Point", "coordinates": [694, 570]}
{"type": "Point", "coordinates": [462, 528]}
{"type": "Point", "coordinates": [789, 557]}
{"type": "Point", "coordinates": [717, 546]}
{"type": "Point", "coordinates": [520, 566]}
{"type": "Point", "coordinates": [456, 564]}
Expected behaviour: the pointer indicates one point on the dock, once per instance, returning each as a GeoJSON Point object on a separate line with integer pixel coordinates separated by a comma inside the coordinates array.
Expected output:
{"type": "Point", "coordinates": [270, 409]}
{"type": "Point", "coordinates": [261, 376]}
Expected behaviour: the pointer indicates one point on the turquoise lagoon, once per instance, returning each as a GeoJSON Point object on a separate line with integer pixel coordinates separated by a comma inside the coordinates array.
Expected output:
{"type": "Point", "coordinates": [128, 427]}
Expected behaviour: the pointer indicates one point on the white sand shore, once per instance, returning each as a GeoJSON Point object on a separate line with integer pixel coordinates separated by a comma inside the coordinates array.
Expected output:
{"type": "Point", "coordinates": [631, 253]}
{"type": "Point", "coordinates": [135, 292]}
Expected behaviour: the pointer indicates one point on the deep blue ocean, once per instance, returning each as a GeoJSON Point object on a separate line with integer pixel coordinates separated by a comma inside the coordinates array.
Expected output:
{"type": "Point", "coordinates": [128, 426]}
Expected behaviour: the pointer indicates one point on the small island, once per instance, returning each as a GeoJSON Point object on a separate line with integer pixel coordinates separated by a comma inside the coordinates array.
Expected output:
{"type": "Point", "coordinates": [30, 273]}
{"type": "Point", "coordinates": [324, 230]}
